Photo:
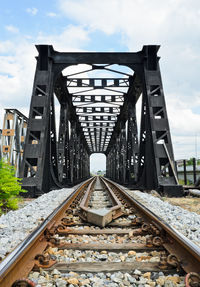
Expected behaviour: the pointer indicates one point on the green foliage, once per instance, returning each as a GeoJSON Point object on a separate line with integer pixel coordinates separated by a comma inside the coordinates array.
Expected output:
{"type": "Point", "coordinates": [190, 161]}
{"type": "Point", "coordinates": [181, 182]}
{"type": "Point", "coordinates": [12, 203]}
{"type": "Point", "coordinates": [10, 187]}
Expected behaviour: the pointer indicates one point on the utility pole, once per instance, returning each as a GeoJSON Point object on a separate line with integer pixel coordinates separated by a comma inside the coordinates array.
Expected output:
{"type": "Point", "coordinates": [195, 145]}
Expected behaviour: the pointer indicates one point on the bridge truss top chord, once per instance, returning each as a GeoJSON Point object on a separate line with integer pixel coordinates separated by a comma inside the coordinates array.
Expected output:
{"type": "Point", "coordinates": [98, 115]}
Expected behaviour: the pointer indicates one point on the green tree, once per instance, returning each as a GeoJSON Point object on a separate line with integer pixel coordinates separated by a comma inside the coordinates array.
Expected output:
{"type": "Point", "coordinates": [10, 187]}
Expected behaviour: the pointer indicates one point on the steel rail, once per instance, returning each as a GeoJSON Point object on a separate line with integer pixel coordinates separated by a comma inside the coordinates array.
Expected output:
{"type": "Point", "coordinates": [12, 267]}
{"type": "Point", "coordinates": [186, 251]}
{"type": "Point", "coordinates": [96, 216]}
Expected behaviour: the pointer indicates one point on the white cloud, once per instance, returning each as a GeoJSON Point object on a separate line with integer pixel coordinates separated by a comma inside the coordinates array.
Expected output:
{"type": "Point", "coordinates": [175, 25]}
{"type": "Point", "coordinates": [32, 10]}
{"type": "Point", "coordinates": [138, 19]}
{"type": "Point", "coordinates": [17, 65]}
{"type": "Point", "coordinates": [52, 14]}
{"type": "Point", "coordinates": [16, 76]}
{"type": "Point", "coordinates": [71, 38]}
{"type": "Point", "coordinates": [12, 29]}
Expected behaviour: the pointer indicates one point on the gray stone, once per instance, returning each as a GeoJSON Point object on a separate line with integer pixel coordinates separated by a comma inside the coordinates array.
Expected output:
{"type": "Point", "coordinates": [101, 275]}
{"type": "Point", "coordinates": [128, 277]}
{"type": "Point", "coordinates": [126, 283]}
{"type": "Point", "coordinates": [42, 279]}
{"type": "Point", "coordinates": [143, 280]}
{"type": "Point", "coordinates": [55, 272]}
{"type": "Point", "coordinates": [102, 257]}
{"type": "Point", "coordinates": [35, 275]}
{"type": "Point", "coordinates": [90, 275]}
{"type": "Point", "coordinates": [83, 276]}
{"type": "Point", "coordinates": [108, 275]}
{"type": "Point", "coordinates": [169, 283]}
{"type": "Point", "coordinates": [60, 283]}
{"type": "Point", "coordinates": [137, 272]}
{"type": "Point", "coordinates": [154, 276]}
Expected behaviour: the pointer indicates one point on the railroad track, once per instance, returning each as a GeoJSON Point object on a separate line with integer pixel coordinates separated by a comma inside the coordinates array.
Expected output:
{"type": "Point", "coordinates": [100, 236]}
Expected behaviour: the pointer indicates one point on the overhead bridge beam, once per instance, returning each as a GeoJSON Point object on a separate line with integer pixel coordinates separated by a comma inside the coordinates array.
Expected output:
{"type": "Point", "coordinates": [106, 110]}
{"type": "Point", "coordinates": [93, 57]}
{"type": "Point", "coordinates": [97, 82]}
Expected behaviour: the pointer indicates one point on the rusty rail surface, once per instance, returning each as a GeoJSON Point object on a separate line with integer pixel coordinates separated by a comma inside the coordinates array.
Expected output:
{"type": "Point", "coordinates": [20, 262]}
{"type": "Point", "coordinates": [186, 253]}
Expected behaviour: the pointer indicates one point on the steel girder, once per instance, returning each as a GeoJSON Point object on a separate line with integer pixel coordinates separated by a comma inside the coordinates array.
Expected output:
{"type": "Point", "coordinates": [98, 115]}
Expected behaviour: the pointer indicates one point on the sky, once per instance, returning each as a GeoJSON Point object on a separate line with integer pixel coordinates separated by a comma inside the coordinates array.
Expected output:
{"type": "Point", "coordinates": [112, 26]}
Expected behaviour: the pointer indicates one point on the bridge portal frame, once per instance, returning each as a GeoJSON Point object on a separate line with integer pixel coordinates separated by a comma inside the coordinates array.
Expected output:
{"type": "Point", "coordinates": [145, 163]}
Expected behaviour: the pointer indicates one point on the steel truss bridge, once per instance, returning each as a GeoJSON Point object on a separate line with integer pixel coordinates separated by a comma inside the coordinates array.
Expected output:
{"type": "Point", "coordinates": [97, 99]}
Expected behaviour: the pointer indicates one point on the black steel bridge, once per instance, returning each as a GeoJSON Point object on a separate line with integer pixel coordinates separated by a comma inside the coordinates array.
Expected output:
{"type": "Point", "coordinates": [98, 115]}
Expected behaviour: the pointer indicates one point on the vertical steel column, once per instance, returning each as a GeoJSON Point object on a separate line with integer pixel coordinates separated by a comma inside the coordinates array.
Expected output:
{"type": "Point", "coordinates": [156, 153]}
{"type": "Point", "coordinates": [122, 154]}
{"type": "Point", "coordinates": [63, 144]}
{"type": "Point", "coordinates": [194, 170]}
{"type": "Point", "coordinates": [108, 165]}
{"type": "Point", "coordinates": [185, 172]}
{"type": "Point", "coordinates": [78, 158]}
{"type": "Point", "coordinates": [132, 146]}
{"type": "Point", "coordinates": [81, 160]}
{"type": "Point", "coordinates": [86, 165]}
{"type": "Point", "coordinates": [36, 161]}
{"type": "Point", "coordinates": [115, 162]}
{"type": "Point", "coordinates": [53, 146]}
{"type": "Point", "coordinates": [67, 155]}
{"type": "Point", "coordinates": [72, 153]}
{"type": "Point", "coordinates": [117, 166]}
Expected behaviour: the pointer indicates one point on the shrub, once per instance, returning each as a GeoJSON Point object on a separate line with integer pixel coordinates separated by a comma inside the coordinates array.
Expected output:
{"type": "Point", "coordinates": [10, 187]}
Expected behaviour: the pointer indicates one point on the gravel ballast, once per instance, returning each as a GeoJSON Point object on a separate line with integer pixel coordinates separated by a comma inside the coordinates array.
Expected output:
{"type": "Point", "coordinates": [134, 278]}
{"type": "Point", "coordinates": [16, 225]}
{"type": "Point", "coordinates": [186, 222]}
